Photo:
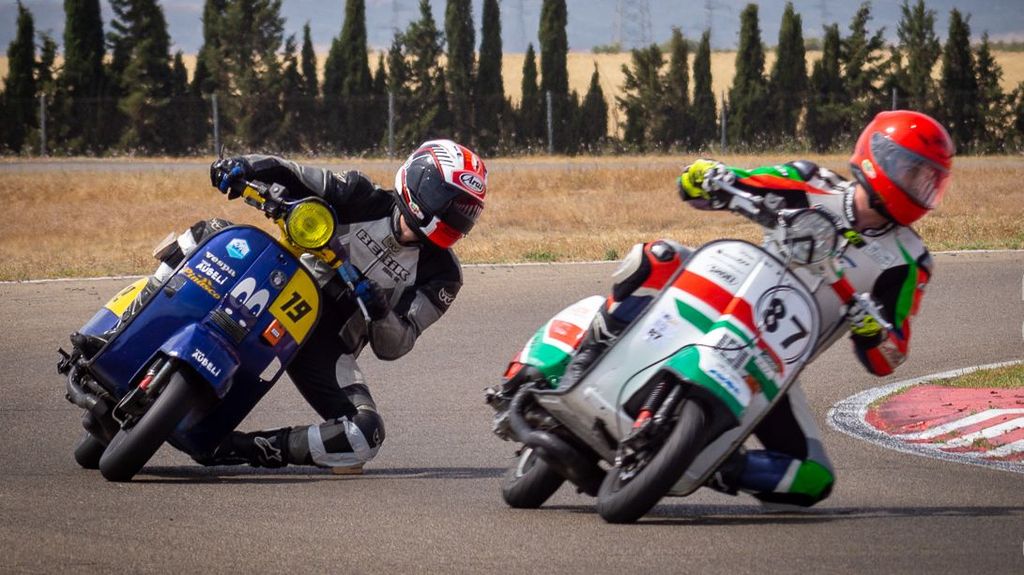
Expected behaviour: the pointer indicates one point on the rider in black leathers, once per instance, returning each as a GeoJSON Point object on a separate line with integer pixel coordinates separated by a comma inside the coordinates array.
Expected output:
{"type": "Point", "coordinates": [401, 241]}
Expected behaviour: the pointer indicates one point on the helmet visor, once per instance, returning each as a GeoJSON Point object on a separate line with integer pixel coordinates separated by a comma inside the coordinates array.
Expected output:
{"type": "Point", "coordinates": [920, 178]}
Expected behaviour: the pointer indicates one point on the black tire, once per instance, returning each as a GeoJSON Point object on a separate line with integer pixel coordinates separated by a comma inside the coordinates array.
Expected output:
{"type": "Point", "coordinates": [89, 451]}
{"type": "Point", "coordinates": [530, 481]}
{"type": "Point", "coordinates": [625, 502]}
{"type": "Point", "coordinates": [132, 448]}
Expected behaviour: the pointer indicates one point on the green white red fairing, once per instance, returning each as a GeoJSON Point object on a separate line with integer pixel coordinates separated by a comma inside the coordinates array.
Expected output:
{"type": "Point", "coordinates": [552, 346]}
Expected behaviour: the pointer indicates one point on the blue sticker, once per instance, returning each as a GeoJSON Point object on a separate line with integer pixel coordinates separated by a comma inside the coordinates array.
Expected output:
{"type": "Point", "coordinates": [238, 248]}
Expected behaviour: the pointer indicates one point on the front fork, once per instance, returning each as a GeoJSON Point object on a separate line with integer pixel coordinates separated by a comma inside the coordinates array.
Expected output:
{"type": "Point", "coordinates": [136, 402]}
{"type": "Point", "coordinates": [653, 422]}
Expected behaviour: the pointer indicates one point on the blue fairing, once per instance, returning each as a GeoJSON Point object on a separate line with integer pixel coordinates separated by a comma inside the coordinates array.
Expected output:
{"type": "Point", "coordinates": [230, 280]}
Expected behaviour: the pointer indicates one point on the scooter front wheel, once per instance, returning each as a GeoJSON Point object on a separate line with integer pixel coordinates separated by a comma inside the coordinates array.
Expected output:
{"type": "Point", "coordinates": [131, 448]}
{"type": "Point", "coordinates": [627, 494]}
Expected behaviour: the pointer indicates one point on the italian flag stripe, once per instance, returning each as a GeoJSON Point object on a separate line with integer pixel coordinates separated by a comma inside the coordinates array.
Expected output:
{"type": "Point", "coordinates": [704, 324]}
{"type": "Point", "coordinates": [724, 303]}
{"type": "Point", "coordinates": [905, 301]}
{"type": "Point", "coordinates": [687, 364]}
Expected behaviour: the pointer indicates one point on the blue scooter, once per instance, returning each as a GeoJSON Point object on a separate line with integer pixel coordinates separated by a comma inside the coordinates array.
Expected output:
{"type": "Point", "coordinates": [210, 342]}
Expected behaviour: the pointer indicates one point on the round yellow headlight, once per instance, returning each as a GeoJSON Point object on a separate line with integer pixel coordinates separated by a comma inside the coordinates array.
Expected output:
{"type": "Point", "coordinates": [310, 224]}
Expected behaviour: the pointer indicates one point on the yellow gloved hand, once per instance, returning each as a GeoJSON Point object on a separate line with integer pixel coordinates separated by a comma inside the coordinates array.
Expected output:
{"type": "Point", "coordinates": [862, 320]}
{"type": "Point", "coordinates": [691, 182]}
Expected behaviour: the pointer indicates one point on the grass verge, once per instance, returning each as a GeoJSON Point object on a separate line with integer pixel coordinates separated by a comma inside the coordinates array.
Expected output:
{"type": "Point", "coordinates": [89, 222]}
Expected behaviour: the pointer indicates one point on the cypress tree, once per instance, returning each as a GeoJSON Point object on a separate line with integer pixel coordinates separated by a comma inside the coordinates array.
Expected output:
{"type": "Point", "coordinates": [863, 65]}
{"type": "Point", "coordinates": [380, 98]}
{"type": "Point", "coordinates": [531, 106]}
{"type": "Point", "coordinates": [1017, 126]}
{"type": "Point", "coordinates": [140, 37]}
{"type": "Point", "coordinates": [347, 83]}
{"type": "Point", "coordinates": [186, 115]}
{"type": "Point", "coordinates": [289, 132]}
{"type": "Point", "coordinates": [422, 99]}
{"type": "Point", "coordinates": [992, 103]}
{"type": "Point", "coordinates": [703, 110]}
{"type": "Point", "coordinates": [787, 86]}
{"type": "Point", "coordinates": [458, 28]}
{"type": "Point", "coordinates": [309, 93]}
{"type": "Point", "coordinates": [85, 118]}
{"type": "Point", "coordinates": [490, 91]}
{"type": "Point", "coordinates": [643, 100]}
{"type": "Point", "coordinates": [251, 38]}
{"type": "Point", "coordinates": [20, 93]}
{"type": "Point", "coordinates": [210, 75]}
{"type": "Point", "coordinates": [593, 128]}
{"type": "Point", "coordinates": [920, 48]}
{"type": "Point", "coordinates": [310, 82]}
{"type": "Point", "coordinates": [554, 53]}
{"type": "Point", "coordinates": [826, 102]}
{"type": "Point", "coordinates": [677, 90]}
{"type": "Point", "coordinates": [959, 84]}
{"type": "Point", "coordinates": [398, 83]}
{"type": "Point", "coordinates": [748, 97]}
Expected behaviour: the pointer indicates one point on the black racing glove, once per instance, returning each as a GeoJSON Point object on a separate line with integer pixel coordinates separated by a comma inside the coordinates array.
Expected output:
{"type": "Point", "coordinates": [374, 298]}
{"type": "Point", "coordinates": [227, 175]}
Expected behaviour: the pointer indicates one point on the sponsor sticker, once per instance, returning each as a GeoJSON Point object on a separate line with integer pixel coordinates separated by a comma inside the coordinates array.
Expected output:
{"type": "Point", "coordinates": [472, 181]}
{"type": "Point", "coordinates": [205, 283]}
{"type": "Point", "coordinates": [238, 248]}
{"type": "Point", "coordinates": [206, 362]}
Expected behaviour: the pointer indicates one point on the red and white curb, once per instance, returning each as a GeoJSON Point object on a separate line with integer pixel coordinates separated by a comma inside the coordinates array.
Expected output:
{"type": "Point", "coordinates": [850, 416]}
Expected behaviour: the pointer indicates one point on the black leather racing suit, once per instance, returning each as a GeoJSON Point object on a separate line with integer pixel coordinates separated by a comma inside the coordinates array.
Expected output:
{"type": "Point", "coordinates": [421, 281]}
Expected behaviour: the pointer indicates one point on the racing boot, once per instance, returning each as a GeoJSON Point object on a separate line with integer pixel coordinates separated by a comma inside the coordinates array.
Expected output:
{"type": "Point", "coordinates": [603, 332]}
{"type": "Point", "coordinates": [258, 449]}
{"type": "Point", "coordinates": [726, 479]}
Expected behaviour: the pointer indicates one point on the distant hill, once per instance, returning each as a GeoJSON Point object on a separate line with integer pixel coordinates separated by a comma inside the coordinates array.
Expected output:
{"type": "Point", "coordinates": [591, 22]}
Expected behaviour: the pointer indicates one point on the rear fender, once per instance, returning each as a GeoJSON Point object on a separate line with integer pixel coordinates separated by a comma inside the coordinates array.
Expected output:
{"type": "Point", "coordinates": [208, 353]}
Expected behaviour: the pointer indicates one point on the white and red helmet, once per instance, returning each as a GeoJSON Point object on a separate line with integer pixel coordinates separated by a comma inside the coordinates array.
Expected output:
{"type": "Point", "coordinates": [441, 189]}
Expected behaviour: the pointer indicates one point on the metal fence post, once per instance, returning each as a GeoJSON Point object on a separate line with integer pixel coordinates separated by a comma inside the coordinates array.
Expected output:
{"type": "Point", "coordinates": [216, 125]}
{"type": "Point", "coordinates": [551, 122]}
{"type": "Point", "coordinates": [894, 97]}
{"type": "Point", "coordinates": [391, 124]}
{"type": "Point", "coordinates": [42, 125]}
{"type": "Point", "coordinates": [725, 121]}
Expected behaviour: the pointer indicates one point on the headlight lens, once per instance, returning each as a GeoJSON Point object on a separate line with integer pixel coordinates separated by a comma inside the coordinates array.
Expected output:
{"type": "Point", "coordinates": [310, 224]}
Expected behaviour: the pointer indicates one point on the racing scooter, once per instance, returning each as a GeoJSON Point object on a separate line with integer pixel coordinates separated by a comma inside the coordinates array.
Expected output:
{"type": "Point", "coordinates": [210, 342]}
{"type": "Point", "coordinates": [689, 380]}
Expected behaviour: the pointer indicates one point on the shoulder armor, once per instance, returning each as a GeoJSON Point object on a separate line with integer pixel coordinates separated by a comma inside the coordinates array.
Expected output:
{"type": "Point", "coordinates": [806, 168]}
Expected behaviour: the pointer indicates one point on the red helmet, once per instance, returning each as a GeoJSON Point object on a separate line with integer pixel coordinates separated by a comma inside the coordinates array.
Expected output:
{"type": "Point", "coordinates": [903, 159]}
{"type": "Point", "coordinates": [441, 189]}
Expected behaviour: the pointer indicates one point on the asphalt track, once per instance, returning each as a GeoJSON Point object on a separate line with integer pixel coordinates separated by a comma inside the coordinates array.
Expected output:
{"type": "Point", "coordinates": [430, 502]}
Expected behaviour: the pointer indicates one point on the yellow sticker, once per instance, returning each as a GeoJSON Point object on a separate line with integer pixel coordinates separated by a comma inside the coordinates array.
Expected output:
{"type": "Point", "coordinates": [297, 305]}
{"type": "Point", "coordinates": [122, 299]}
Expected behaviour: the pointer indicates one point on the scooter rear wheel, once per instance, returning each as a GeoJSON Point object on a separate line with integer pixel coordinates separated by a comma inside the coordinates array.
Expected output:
{"type": "Point", "coordinates": [88, 451]}
{"type": "Point", "coordinates": [131, 448]}
{"type": "Point", "coordinates": [530, 481]}
{"type": "Point", "coordinates": [627, 495]}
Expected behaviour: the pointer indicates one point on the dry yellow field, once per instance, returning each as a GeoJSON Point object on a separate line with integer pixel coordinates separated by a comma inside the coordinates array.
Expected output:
{"type": "Point", "coordinates": [581, 66]}
{"type": "Point", "coordinates": [90, 223]}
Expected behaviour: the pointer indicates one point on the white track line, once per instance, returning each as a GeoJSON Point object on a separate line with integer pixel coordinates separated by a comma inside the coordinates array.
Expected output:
{"type": "Point", "coordinates": [965, 422]}
{"type": "Point", "coordinates": [848, 416]}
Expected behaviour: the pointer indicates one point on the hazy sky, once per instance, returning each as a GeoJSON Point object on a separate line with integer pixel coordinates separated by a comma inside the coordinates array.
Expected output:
{"type": "Point", "coordinates": [590, 22]}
